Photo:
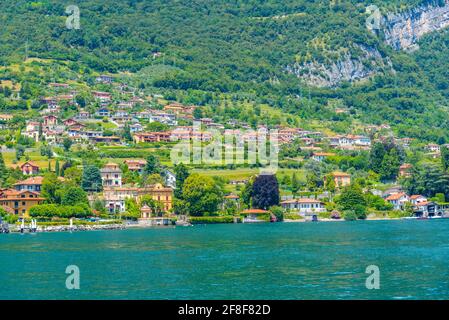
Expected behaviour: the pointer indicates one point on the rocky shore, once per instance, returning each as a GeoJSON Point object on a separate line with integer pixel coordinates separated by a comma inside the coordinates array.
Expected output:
{"type": "Point", "coordinates": [65, 228]}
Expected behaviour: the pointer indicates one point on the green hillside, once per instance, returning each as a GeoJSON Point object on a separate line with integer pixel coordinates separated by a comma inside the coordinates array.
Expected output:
{"type": "Point", "coordinates": [243, 48]}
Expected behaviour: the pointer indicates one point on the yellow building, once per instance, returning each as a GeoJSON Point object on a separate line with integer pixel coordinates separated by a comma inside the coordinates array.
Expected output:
{"type": "Point", "coordinates": [341, 179]}
{"type": "Point", "coordinates": [20, 201]}
{"type": "Point", "coordinates": [115, 198]}
{"type": "Point", "coordinates": [160, 194]}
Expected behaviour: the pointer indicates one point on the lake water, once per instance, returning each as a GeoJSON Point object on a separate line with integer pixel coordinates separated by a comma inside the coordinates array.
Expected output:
{"type": "Point", "coordinates": [260, 261]}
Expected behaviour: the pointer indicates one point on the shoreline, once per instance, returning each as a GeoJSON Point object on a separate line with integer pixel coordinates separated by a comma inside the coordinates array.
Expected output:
{"type": "Point", "coordinates": [124, 226]}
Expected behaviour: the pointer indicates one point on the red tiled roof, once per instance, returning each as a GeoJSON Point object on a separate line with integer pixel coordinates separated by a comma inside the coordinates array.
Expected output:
{"type": "Point", "coordinates": [30, 163]}
{"type": "Point", "coordinates": [395, 196]}
{"type": "Point", "coordinates": [232, 196]}
{"type": "Point", "coordinates": [254, 211]}
{"type": "Point", "coordinates": [30, 181]}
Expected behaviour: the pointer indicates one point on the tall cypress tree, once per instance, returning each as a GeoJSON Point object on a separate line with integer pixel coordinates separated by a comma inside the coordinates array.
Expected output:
{"type": "Point", "coordinates": [57, 169]}
{"type": "Point", "coordinates": [3, 170]}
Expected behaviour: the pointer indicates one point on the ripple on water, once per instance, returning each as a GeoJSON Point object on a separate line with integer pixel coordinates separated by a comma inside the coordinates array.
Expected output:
{"type": "Point", "coordinates": [278, 261]}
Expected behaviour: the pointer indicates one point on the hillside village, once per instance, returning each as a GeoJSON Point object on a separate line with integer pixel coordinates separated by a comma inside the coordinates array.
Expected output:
{"type": "Point", "coordinates": [108, 151]}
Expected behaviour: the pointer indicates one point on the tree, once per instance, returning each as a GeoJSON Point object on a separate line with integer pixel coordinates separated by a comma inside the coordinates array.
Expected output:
{"type": "Point", "coordinates": [73, 175]}
{"type": "Point", "coordinates": [330, 183]}
{"type": "Point", "coordinates": [132, 208]}
{"type": "Point", "coordinates": [181, 173]}
{"type": "Point", "coordinates": [157, 208]}
{"type": "Point", "coordinates": [74, 195]}
{"type": "Point", "coordinates": [157, 127]}
{"type": "Point", "coordinates": [295, 184]}
{"type": "Point", "coordinates": [80, 100]}
{"type": "Point", "coordinates": [201, 195]}
{"type": "Point", "coordinates": [352, 199]}
{"type": "Point", "coordinates": [46, 151]}
{"type": "Point", "coordinates": [67, 164]}
{"type": "Point", "coordinates": [3, 170]}
{"type": "Point", "coordinates": [91, 179]}
{"type": "Point", "coordinates": [127, 133]}
{"type": "Point", "coordinates": [376, 156]}
{"type": "Point", "coordinates": [152, 165]}
{"type": "Point", "coordinates": [99, 206]}
{"type": "Point", "coordinates": [265, 191]}
{"type": "Point", "coordinates": [427, 179]}
{"type": "Point", "coordinates": [51, 188]}
{"type": "Point", "coordinates": [247, 193]}
{"type": "Point", "coordinates": [151, 179]}
{"type": "Point", "coordinates": [20, 151]}
{"type": "Point", "coordinates": [57, 168]}
{"type": "Point", "coordinates": [197, 113]}
{"type": "Point", "coordinates": [67, 144]}
{"type": "Point", "coordinates": [278, 212]}
{"type": "Point", "coordinates": [445, 157]}
{"type": "Point", "coordinates": [390, 165]}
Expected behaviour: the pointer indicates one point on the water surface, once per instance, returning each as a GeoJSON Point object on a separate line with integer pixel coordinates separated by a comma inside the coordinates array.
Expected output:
{"type": "Point", "coordinates": [260, 261]}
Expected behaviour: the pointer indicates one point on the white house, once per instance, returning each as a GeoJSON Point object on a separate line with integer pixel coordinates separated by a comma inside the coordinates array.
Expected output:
{"type": "Point", "coordinates": [304, 206]}
{"type": "Point", "coordinates": [398, 200]}
{"type": "Point", "coordinates": [417, 198]}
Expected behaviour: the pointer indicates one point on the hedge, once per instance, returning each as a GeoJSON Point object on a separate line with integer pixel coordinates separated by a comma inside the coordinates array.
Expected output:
{"type": "Point", "coordinates": [211, 220]}
{"type": "Point", "coordinates": [56, 210]}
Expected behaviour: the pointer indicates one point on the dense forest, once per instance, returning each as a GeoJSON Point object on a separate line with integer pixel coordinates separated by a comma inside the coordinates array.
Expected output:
{"type": "Point", "coordinates": [243, 48]}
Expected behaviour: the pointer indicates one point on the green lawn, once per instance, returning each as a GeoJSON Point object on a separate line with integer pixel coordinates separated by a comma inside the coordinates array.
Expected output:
{"type": "Point", "coordinates": [34, 156]}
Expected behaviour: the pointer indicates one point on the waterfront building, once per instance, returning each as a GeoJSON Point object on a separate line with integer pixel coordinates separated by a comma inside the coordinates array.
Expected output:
{"type": "Point", "coordinates": [398, 200]}
{"type": "Point", "coordinates": [115, 198]}
{"type": "Point", "coordinates": [304, 206]}
{"type": "Point", "coordinates": [20, 201]}
{"type": "Point", "coordinates": [231, 200]}
{"type": "Point", "coordinates": [254, 215]}
{"type": "Point", "coordinates": [417, 198]}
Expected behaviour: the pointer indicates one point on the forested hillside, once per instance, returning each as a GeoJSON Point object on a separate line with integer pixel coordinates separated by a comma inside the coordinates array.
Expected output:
{"type": "Point", "coordinates": [258, 50]}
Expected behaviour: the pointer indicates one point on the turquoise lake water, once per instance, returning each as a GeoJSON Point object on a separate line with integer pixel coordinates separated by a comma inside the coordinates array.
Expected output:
{"type": "Point", "coordinates": [260, 261]}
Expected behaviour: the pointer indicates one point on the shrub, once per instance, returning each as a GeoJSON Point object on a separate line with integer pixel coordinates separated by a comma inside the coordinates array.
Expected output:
{"type": "Point", "coordinates": [211, 220]}
{"type": "Point", "coordinates": [293, 216]}
{"type": "Point", "coordinates": [53, 210]}
{"type": "Point", "coordinates": [349, 215]}
{"type": "Point", "coordinates": [278, 212]}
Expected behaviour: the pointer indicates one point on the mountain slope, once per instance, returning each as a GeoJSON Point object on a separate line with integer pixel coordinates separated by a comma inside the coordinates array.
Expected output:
{"type": "Point", "coordinates": [295, 54]}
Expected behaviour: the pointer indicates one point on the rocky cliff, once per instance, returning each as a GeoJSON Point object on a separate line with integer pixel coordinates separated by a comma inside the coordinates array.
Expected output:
{"type": "Point", "coordinates": [403, 30]}
{"type": "Point", "coordinates": [349, 67]}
